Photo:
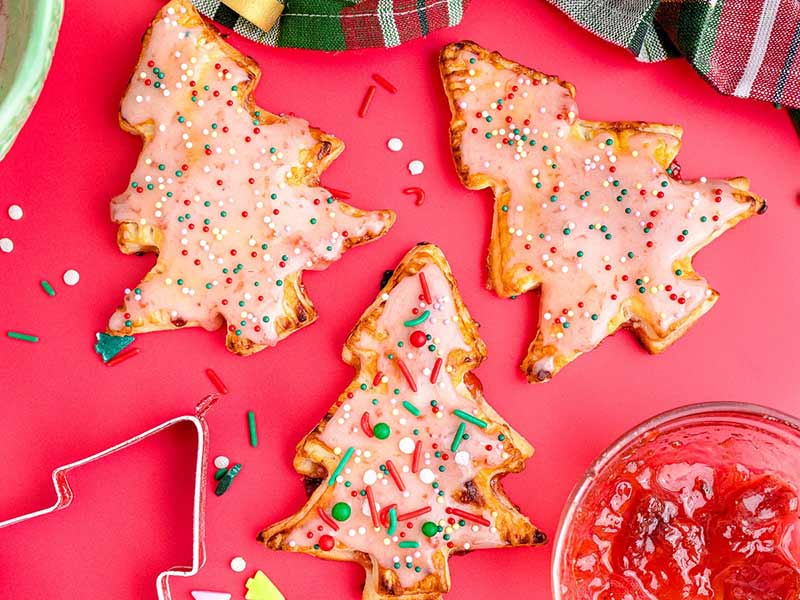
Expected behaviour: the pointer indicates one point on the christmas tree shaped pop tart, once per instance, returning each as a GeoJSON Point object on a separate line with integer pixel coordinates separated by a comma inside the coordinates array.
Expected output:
{"type": "Point", "coordinates": [409, 460]}
{"type": "Point", "coordinates": [225, 192]}
{"type": "Point", "coordinates": [593, 214]}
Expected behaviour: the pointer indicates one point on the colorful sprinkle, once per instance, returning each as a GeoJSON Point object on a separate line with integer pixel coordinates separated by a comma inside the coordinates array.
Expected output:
{"type": "Point", "coordinates": [251, 426]}
{"type": "Point", "coordinates": [25, 337]}
{"type": "Point", "coordinates": [108, 346]}
{"type": "Point", "coordinates": [15, 212]}
{"type": "Point", "coordinates": [384, 83]}
{"type": "Point", "coordinates": [226, 481]}
{"type": "Point", "coordinates": [221, 387]}
{"type": "Point", "coordinates": [47, 287]}
{"type": "Point", "coordinates": [468, 417]}
{"type": "Point", "coordinates": [367, 101]}
{"type": "Point", "coordinates": [340, 467]}
{"type": "Point", "coordinates": [71, 277]}
{"type": "Point", "coordinates": [418, 320]}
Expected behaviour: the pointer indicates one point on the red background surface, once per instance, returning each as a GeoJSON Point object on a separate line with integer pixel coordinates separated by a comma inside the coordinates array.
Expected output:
{"type": "Point", "coordinates": [132, 515]}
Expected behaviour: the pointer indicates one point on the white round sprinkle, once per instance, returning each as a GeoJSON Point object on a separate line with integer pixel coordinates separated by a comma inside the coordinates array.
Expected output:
{"type": "Point", "coordinates": [406, 445]}
{"type": "Point", "coordinates": [462, 458]}
{"type": "Point", "coordinates": [395, 144]}
{"type": "Point", "coordinates": [238, 564]}
{"type": "Point", "coordinates": [415, 167]}
{"type": "Point", "coordinates": [71, 277]}
{"type": "Point", "coordinates": [370, 477]}
{"type": "Point", "coordinates": [426, 476]}
{"type": "Point", "coordinates": [6, 245]}
{"type": "Point", "coordinates": [15, 212]}
{"type": "Point", "coordinates": [222, 462]}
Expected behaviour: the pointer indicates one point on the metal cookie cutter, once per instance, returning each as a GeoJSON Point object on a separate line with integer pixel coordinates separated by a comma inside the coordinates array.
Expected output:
{"type": "Point", "coordinates": [65, 494]}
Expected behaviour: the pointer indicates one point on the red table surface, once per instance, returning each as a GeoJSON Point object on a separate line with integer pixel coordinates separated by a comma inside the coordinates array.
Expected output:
{"type": "Point", "coordinates": [132, 515]}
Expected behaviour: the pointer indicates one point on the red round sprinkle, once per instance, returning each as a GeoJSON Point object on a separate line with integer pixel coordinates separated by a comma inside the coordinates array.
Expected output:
{"type": "Point", "coordinates": [418, 339]}
{"type": "Point", "coordinates": [326, 542]}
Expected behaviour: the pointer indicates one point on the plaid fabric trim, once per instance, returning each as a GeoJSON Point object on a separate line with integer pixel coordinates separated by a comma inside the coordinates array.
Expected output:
{"type": "Point", "coordinates": [343, 24]}
{"type": "Point", "coordinates": [630, 24]}
{"type": "Point", "coordinates": [746, 48]}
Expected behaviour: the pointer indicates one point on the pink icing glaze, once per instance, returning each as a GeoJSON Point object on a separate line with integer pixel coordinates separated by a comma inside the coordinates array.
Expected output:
{"type": "Point", "coordinates": [213, 179]}
{"type": "Point", "coordinates": [435, 427]}
{"type": "Point", "coordinates": [592, 218]}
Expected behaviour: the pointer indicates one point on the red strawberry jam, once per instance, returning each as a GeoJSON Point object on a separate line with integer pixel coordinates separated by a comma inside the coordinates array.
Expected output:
{"type": "Point", "coordinates": [666, 530]}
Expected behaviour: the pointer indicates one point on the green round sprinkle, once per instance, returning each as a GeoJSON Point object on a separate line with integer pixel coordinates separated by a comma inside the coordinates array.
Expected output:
{"type": "Point", "coordinates": [430, 529]}
{"type": "Point", "coordinates": [341, 511]}
{"type": "Point", "coordinates": [381, 431]}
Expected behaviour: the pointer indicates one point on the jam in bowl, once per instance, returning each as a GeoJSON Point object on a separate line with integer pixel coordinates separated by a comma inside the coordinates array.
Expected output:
{"type": "Point", "coordinates": [698, 503]}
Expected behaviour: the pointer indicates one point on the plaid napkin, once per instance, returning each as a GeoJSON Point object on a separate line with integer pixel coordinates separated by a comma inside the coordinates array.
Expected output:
{"type": "Point", "coordinates": [344, 24]}
{"type": "Point", "coordinates": [744, 48]}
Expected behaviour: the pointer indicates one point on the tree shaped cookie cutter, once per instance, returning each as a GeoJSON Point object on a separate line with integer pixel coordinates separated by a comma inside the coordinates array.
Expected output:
{"type": "Point", "coordinates": [65, 494]}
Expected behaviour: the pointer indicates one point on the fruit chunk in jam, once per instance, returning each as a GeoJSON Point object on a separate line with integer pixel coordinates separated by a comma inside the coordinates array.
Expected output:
{"type": "Point", "coordinates": [680, 530]}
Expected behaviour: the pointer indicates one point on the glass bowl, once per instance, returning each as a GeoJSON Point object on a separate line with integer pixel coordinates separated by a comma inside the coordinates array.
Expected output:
{"type": "Point", "coordinates": [26, 50]}
{"type": "Point", "coordinates": [720, 433]}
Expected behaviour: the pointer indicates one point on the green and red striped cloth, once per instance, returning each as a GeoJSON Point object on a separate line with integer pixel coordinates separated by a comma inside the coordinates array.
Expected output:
{"type": "Point", "coordinates": [744, 48]}
{"type": "Point", "coordinates": [344, 24]}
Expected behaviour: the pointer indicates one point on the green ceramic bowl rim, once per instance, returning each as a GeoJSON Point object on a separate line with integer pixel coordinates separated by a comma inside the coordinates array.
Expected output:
{"type": "Point", "coordinates": [33, 68]}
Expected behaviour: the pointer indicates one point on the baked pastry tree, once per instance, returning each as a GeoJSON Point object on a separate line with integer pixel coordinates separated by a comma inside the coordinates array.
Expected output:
{"type": "Point", "coordinates": [593, 214]}
{"type": "Point", "coordinates": [408, 461]}
{"type": "Point", "coordinates": [226, 193]}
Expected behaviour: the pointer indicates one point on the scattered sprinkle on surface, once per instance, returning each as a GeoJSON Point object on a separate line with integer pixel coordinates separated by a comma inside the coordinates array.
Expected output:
{"type": "Point", "coordinates": [222, 462]}
{"type": "Point", "coordinates": [71, 277]}
{"type": "Point", "coordinates": [259, 587]}
{"type": "Point", "coordinates": [395, 144]}
{"type": "Point", "coordinates": [6, 245]}
{"type": "Point", "coordinates": [238, 564]}
{"type": "Point", "coordinates": [415, 167]}
{"type": "Point", "coordinates": [15, 212]}
{"type": "Point", "coordinates": [24, 337]}
{"type": "Point", "coordinates": [108, 346]}
{"type": "Point", "coordinates": [47, 287]}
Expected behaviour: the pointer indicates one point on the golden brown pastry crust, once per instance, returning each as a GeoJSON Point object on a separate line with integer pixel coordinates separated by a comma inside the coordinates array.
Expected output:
{"type": "Point", "coordinates": [508, 283]}
{"type": "Point", "coordinates": [315, 461]}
